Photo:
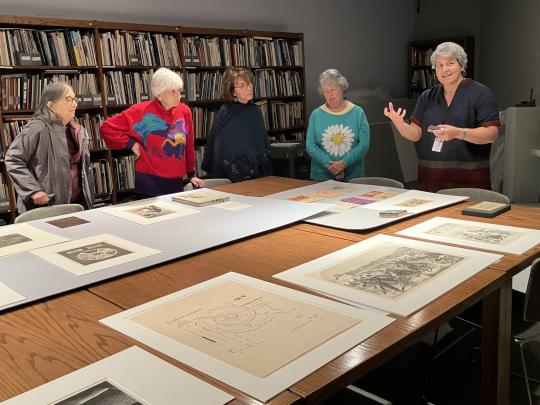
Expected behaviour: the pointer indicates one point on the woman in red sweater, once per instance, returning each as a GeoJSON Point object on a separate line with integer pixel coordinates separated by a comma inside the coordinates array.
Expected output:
{"type": "Point", "coordinates": [160, 134]}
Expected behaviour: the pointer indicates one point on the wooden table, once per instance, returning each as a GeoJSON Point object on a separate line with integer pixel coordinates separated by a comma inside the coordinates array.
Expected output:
{"type": "Point", "coordinates": [46, 340]}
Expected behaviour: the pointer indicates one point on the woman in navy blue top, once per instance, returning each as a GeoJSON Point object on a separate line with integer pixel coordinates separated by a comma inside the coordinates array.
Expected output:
{"type": "Point", "coordinates": [453, 125]}
{"type": "Point", "coordinates": [237, 147]}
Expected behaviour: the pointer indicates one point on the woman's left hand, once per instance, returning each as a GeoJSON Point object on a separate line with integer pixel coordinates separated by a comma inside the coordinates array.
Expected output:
{"type": "Point", "coordinates": [197, 183]}
{"type": "Point", "coordinates": [448, 132]}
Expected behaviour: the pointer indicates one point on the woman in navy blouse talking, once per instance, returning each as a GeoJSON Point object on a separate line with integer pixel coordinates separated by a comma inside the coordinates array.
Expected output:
{"type": "Point", "coordinates": [237, 147]}
{"type": "Point", "coordinates": [453, 125]}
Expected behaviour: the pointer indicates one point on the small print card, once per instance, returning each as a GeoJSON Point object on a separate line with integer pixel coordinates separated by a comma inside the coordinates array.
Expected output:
{"type": "Point", "coordinates": [305, 198]}
{"type": "Point", "coordinates": [8, 296]}
{"type": "Point", "coordinates": [327, 193]}
{"type": "Point", "coordinates": [379, 195]}
{"type": "Point", "coordinates": [342, 206]}
{"type": "Point", "coordinates": [68, 222]}
{"type": "Point", "coordinates": [232, 206]}
{"type": "Point", "coordinates": [357, 200]}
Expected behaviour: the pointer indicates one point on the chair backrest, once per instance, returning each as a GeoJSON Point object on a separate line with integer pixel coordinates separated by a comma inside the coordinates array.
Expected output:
{"type": "Point", "coordinates": [209, 183]}
{"type": "Point", "coordinates": [478, 194]}
{"type": "Point", "coordinates": [50, 211]}
{"type": "Point", "coordinates": [532, 297]}
{"type": "Point", "coordinates": [378, 181]}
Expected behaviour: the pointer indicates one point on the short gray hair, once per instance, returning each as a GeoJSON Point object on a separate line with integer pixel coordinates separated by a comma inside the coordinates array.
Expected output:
{"type": "Point", "coordinates": [52, 92]}
{"type": "Point", "coordinates": [449, 50]}
{"type": "Point", "coordinates": [165, 79]}
{"type": "Point", "coordinates": [333, 76]}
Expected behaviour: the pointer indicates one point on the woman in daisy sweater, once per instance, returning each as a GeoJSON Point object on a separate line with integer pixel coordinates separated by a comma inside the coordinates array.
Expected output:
{"type": "Point", "coordinates": [338, 133]}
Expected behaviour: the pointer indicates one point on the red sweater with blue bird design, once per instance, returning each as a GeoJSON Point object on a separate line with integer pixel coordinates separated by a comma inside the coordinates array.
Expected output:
{"type": "Point", "coordinates": [165, 139]}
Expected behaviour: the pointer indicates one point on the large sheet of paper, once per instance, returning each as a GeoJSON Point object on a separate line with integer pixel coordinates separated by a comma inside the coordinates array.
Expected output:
{"type": "Point", "coordinates": [131, 376]}
{"type": "Point", "coordinates": [83, 256]}
{"type": "Point", "coordinates": [482, 235]}
{"type": "Point", "coordinates": [149, 211]}
{"type": "Point", "coordinates": [23, 237]}
{"type": "Point", "coordinates": [253, 335]}
{"type": "Point", "coordinates": [390, 273]}
{"type": "Point", "coordinates": [8, 295]}
{"type": "Point", "coordinates": [357, 206]}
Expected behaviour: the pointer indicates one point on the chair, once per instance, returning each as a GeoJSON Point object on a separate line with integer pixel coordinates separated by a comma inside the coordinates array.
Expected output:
{"type": "Point", "coordinates": [209, 183]}
{"type": "Point", "coordinates": [378, 181]}
{"type": "Point", "coordinates": [478, 194]}
{"type": "Point", "coordinates": [49, 211]}
{"type": "Point", "coordinates": [527, 329]}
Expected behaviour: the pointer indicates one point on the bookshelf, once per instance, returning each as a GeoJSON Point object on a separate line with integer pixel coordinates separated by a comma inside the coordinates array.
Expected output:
{"type": "Point", "coordinates": [421, 75]}
{"type": "Point", "coordinates": [109, 65]}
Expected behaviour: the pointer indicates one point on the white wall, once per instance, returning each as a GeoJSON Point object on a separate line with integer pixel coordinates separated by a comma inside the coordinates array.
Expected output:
{"type": "Point", "coordinates": [367, 40]}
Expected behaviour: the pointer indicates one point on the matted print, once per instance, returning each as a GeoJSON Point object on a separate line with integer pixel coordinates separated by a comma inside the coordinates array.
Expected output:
{"type": "Point", "coordinates": [305, 198]}
{"type": "Point", "coordinates": [253, 335]}
{"type": "Point", "coordinates": [23, 237]}
{"type": "Point", "coordinates": [68, 222]}
{"type": "Point", "coordinates": [357, 200]}
{"type": "Point", "coordinates": [416, 201]}
{"type": "Point", "coordinates": [8, 295]}
{"type": "Point", "coordinates": [388, 273]}
{"type": "Point", "coordinates": [150, 212]}
{"type": "Point", "coordinates": [83, 256]}
{"type": "Point", "coordinates": [482, 235]}
{"type": "Point", "coordinates": [130, 377]}
{"type": "Point", "coordinates": [413, 202]}
{"type": "Point", "coordinates": [379, 194]}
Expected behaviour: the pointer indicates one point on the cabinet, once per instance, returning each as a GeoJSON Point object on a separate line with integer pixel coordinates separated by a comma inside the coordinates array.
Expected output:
{"type": "Point", "coordinates": [110, 64]}
{"type": "Point", "coordinates": [421, 75]}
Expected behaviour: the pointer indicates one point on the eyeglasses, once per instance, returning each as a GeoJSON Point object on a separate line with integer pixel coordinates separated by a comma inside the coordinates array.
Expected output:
{"type": "Point", "coordinates": [69, 99]}
{"type": "Point", "coordinates": [244, 86]}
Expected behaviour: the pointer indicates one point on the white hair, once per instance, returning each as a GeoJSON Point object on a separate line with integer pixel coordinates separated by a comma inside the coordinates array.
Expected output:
{"type": "Point", "coordinates": [165, 79]}
{"type": "Point", "coordinates": [449, 50]}
{"type": "Point", "coordinates": [332, 76]}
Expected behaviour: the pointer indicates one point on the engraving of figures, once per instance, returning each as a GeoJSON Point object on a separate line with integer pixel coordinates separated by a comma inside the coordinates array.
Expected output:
{"type": "Point", "coordinates": [389, 270]}
{"type": "Point", "coordinates": [150, 211]}
{"type": "Point", "coordinates": [477, 233]}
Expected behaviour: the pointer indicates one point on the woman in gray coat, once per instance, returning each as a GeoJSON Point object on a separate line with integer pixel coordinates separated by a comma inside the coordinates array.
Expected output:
{"type": "Point", "coordinates": [49, 161]}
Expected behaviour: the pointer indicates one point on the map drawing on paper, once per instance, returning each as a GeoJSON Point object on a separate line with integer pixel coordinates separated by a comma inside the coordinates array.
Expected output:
{"type": "Point", "coordinates": [247, 327]}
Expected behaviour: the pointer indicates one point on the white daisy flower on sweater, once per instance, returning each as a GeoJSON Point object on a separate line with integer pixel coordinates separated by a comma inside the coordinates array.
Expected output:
{"type": "Point", "coordinates": [337, 140]}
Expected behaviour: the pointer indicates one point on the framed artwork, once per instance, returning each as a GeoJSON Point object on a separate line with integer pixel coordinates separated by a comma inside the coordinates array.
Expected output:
{"type": "Point", "coordinates": [388, 273]}
{"type": "Point", "coordinates": [98, 252]}
{"type": "Point", "coordinates": [482, 235]}
{"type": "Point", "coordinates": [253, 335]}
{"type": "Point", "coordinates": [130, 377]}
{"type": "Point", "coordinates": [23, 237]}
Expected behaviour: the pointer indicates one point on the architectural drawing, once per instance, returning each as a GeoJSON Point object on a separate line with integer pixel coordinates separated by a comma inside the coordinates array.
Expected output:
{"type": "Point", "coordinates": [389, 270]}
{"type": "Point", "coordinates": [476, 233]}
{"type": "Point", "coordinates": [102, 393]}
{"type": "Point", "coordinates": [249, 328]}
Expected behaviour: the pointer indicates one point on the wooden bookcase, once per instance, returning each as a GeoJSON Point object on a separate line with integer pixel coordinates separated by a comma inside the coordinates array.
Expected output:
{"type": "Point", "coordinates": [421, 75]}
{"type": "Point", "coordinates": [110, 64]}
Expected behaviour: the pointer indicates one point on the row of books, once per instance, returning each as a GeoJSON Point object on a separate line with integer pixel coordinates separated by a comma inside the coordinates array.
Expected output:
{"type": "Point", "coordinates": [269, 83]}
{"type": "Point", "coordinates": [126, 88]}
{"type": "Point", "coordinates": [101, 171]}
{"type": "Point", "coordinates": [204, 85]}
{"type": "Point", "coordinates": [215, 51]}
{"type": "Point", "coordinates": [46, 47]}
{"type": "Point", "coordinates": [421, 57]}
{"type": "Point", "coordinates": [203, 119]}
{"type": "Point", "coordinates": [275, 52]}
{"type": "Point", "coordinates": [124, 172]}
{"type": "Point", "coordinates": [129, 48]}
{"type": "Point", "coordinates": [10, 129]}
{"type": "Point", "coordinates": [92, 122]}
{"type": "Point", "coordinates": [23, 90]}
{"type": "Point", "coordinates": [4, 196]}
{"type": "Point", "coordinates": [422, 79]}
{"type": "Point", "coordinates": [286, 115]}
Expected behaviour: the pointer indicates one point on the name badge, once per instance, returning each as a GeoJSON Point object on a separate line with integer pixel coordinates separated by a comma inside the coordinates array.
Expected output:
{"type": "Point", "coordinates": [437, 145]}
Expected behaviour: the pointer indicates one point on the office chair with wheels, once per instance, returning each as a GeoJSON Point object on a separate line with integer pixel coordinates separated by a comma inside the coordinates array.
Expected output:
{"type": "Point", "coordinates": [477, 194]}
{"type": "Point", "coordinates": [378, 181]}
{"type": "Point", "coordinates": [209, 183]}
{"type": "Point", "coordinates": [49, 211]}
{"type": "Point", "coordinates": [526, 330]}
